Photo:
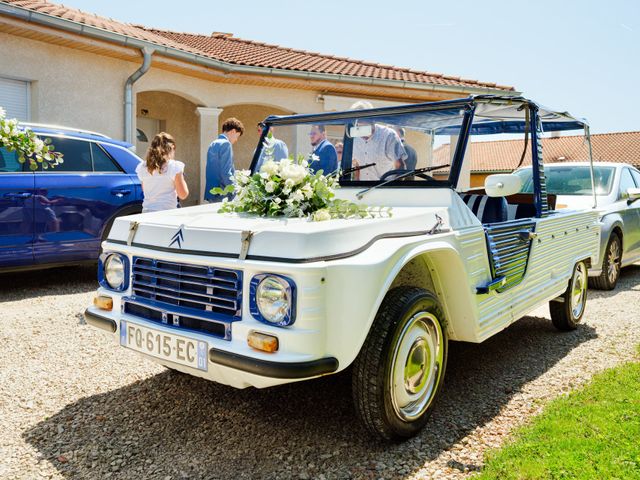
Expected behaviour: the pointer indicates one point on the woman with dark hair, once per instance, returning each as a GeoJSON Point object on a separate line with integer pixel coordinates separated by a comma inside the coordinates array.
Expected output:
{"type": "Point", "coordinates": [162, 176]}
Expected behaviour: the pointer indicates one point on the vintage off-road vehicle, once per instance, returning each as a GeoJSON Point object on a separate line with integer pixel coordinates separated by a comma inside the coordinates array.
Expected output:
{"type": "Point", "coordinates": [253, 301]}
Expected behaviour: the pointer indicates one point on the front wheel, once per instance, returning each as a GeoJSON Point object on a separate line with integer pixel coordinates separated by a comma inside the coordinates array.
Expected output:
{"type": "Point", "coordinates": [400, 369]}
{"type": "Point", "coordinates": [568, 309]}
{"type": "Point", "coordinates": [610, 265]}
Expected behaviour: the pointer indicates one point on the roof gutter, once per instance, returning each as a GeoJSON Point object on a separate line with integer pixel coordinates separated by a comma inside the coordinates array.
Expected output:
{"type": "Point", "coordinates": [128, 93]}
{"type": "Point", "coordinates": [175, 53]}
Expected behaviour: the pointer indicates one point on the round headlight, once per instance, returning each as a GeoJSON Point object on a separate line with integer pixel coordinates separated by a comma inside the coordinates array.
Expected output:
{"type": "Point", "coordinates": [114, 271]}
{"type": "Point", "coordinates": [273, 298]}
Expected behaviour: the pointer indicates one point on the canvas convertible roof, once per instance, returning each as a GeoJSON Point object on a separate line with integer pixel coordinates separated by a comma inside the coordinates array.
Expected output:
{"type": "Point", "coordinates": [493, 115]}
{"type": "Point", "coordinates": [504, 115]}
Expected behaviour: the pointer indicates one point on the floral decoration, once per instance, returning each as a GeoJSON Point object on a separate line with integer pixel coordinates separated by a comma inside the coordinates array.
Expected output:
{"type": "Point", "coordinates": [289, 188]}
{"type": "Point", "coordinates": [28, 146]}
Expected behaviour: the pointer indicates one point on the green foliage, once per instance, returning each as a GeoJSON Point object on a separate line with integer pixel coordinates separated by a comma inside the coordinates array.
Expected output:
{"type": "Point", "coordinates": [28, 146]}
{"type": "Point", "coordinates": [593, 433]}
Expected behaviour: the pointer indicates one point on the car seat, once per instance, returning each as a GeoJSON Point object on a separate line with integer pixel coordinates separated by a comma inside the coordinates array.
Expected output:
{"type": "Point", "coordinates": [487, 209]}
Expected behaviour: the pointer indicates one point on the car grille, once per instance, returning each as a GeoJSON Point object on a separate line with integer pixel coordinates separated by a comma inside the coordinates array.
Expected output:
{"type": "Point", "coordinates": [208, 327]}
{"type": "Point", "coordinates": [208, 292]}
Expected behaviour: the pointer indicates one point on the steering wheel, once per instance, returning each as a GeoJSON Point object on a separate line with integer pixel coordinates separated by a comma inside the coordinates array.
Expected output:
{"type": "Point", "coordinates": [401, 171]}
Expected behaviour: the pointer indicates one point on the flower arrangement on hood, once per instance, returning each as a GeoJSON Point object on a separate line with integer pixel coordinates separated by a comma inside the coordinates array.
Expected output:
{"type": "Point", "coordinates": [289, 188]}
{"type": "Point", "coordinates": [27, 144]}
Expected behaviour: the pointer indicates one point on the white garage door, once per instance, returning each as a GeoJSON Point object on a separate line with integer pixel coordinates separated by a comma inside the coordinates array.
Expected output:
{"type": "Point", "coordinates": [14, 98]}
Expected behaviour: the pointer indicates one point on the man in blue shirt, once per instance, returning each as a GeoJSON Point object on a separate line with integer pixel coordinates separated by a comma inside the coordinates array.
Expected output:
{"type": "Point", "coordinates": [220, 159]}
{"type": "Point", "coordinates": [324, 150]}
{"type": "Point", "coordinates": [279, 148]}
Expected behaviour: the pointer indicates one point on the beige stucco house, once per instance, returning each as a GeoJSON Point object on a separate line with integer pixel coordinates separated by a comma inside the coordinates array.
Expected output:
{"type": "Point", "coordinates": [59, 65]}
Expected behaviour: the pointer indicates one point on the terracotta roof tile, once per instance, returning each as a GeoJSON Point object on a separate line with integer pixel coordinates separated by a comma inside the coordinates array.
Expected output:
{"type": "Point", "coordinates": [226, 48]}
{"type": "Point", "coordinates": [504, 155]}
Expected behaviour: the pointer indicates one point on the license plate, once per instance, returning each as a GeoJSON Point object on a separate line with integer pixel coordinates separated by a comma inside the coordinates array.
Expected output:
{"type": "Point", "coordinates": [176, 348]}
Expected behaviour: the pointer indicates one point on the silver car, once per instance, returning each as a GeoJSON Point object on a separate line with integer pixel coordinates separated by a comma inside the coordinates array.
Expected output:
{"type": "Point", "coordinates": [617, 191]}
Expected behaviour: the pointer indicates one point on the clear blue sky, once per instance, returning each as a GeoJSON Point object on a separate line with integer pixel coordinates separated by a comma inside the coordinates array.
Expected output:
{"type": "Point", "coordinates": [577, 55]}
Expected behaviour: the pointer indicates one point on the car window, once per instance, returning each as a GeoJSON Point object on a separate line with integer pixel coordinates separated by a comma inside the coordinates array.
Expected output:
{"type": "Point", "coordinates": [626, 181]}
{"type": "Point", "coordinates": [636, 176]}
{"type": "Point", "coordinates": [9, 161]}
{"type": "Point", "coordinates": [101, 161]}
{"type": "Point", "coordinates": [571, 180]}
{"type": "Point", "coordinates": [76, 155]}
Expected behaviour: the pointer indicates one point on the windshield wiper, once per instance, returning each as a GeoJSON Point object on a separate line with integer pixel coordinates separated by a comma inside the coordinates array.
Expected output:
{"type": "Point", "coordinates": [361, 194]}
{"type": "Point", "coordinates": [355, 169]}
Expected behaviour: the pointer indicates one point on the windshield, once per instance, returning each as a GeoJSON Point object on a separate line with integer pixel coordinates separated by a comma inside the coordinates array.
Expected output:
{"type": "Point", "coordinates": [571, 180]}
{"type": "Point", "coordinates": [371, 149]}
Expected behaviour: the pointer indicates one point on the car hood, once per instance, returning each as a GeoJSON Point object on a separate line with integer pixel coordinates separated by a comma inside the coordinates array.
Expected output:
{"type": "Point", "coordinates": [577, 202]}
{"type": "Point", "coordinates": [202, 230]}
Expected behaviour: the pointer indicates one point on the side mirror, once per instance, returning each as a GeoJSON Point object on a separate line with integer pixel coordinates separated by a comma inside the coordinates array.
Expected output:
{"type": "Point", "coordinates": [502, 184]}
{"type": "Point", "coordinates": [634, 194]}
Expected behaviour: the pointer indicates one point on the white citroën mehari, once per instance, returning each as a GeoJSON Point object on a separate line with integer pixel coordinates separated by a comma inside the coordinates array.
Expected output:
{"type": "Point", "coordinates": [254, 301]}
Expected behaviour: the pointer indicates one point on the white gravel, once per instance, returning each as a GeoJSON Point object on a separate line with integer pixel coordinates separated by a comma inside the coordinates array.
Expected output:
{"type": "Point", "coordinates": [75, 405]}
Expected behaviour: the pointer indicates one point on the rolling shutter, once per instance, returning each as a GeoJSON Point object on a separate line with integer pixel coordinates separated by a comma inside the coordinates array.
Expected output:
{"type": "Point", "coordinates": [14, 98]}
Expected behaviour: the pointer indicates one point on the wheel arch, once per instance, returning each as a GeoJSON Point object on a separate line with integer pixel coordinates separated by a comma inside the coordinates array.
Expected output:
{"type": "Point", "coordinates": [611, 223]}
{"type": "Point", "coordinates": [129, 209]}
{"type": "Point", "coordinates": [437, 268]}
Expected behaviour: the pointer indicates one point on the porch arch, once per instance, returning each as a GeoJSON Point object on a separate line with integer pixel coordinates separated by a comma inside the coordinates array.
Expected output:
{"type": "Point", "coordinates": [164, 111]}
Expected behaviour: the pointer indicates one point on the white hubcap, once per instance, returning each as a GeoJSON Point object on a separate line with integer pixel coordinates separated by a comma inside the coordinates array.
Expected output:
{"type": "Point", "coordinates": [578, 290]}
{"type": "Point", "coordinates": [416, 366]}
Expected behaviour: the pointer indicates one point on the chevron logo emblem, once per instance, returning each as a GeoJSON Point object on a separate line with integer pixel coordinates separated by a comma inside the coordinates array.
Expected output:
{"type": "Point", "coordinates": [177, 238]}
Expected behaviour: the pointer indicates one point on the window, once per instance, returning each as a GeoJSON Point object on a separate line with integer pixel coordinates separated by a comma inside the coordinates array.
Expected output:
{"type": "Point", "coordinates": [101, 161]}
{"type": "Point", "coordinates": [636, 176]}
{"type": "Point", "coordinates": [626, 181]}
{"type": "Point", "coordinates": [9, 161]}
{"type": "Point", "coordinates": [76, 155]}
{"type": "Point", "coordinates": [571, 180]}
{"type": "Point", "coordinates": [14, 98]}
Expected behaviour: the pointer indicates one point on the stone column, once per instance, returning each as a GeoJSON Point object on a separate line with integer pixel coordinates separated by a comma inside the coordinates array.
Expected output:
{"type": "Point", "coordinates": [208, 132]}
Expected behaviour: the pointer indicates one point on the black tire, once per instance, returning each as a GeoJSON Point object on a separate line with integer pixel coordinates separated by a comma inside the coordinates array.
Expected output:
{"type": "Point", "coordinates": [408, 325]}
{"type": "Point", "coordinates": [611, 264]}
{"type": "Point", "coordinates": [568, 309]}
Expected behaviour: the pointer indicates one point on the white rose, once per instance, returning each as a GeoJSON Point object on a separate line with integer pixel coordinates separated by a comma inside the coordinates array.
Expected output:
{"type": "Point", "coordinates": [270, 167]}
{"type": "Point", "coordinates": [264, 175]}
{"type": "Point", "coordinates": [321, 215]}
{"type": "Point", "coordinates": [270, 186]}
{"type": "Point", "coordinates": [293, 172]}
{"type": "Point", "coordinates": [3, 112]}
{"type": "Point", "coordinates": [277, 200]}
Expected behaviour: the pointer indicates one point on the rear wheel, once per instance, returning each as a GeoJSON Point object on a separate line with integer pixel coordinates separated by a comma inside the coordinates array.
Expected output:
{"type": "Point", "coordinates": [400, 369]}
{"type": "Point", "coordinates": [611, 264]}
{"type": "Point", "coordinates": [568, 309]}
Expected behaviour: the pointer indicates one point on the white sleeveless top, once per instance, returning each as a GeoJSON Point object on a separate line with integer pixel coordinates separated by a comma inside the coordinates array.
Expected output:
{"type": "Point", "coordinates": [159, 188]}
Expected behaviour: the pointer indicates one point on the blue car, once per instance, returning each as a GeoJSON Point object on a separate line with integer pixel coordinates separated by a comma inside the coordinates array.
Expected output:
{"type": "Point", "coordinates": [60, 216]}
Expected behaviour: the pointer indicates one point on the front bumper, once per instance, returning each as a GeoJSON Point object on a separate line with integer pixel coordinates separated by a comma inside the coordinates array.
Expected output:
{"type": "Point", "coordinates": [228, 367]}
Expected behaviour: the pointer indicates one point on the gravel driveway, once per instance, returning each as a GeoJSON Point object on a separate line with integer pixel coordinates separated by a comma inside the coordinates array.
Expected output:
{"type": "Point", "coordinates": [75, 405]}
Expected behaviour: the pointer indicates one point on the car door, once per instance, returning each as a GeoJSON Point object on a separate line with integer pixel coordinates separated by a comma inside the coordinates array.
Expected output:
{"type": "Point", "coordinates": [75, 200]}
{"type": "Point", "coordinates": [635, 206]}
{"type": "Point", "coordinates": [16, 211]}
{"type": "Point", "coordinates": [630, 216]}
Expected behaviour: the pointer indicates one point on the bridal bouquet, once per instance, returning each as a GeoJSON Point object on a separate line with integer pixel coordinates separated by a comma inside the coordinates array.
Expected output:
{"type": "Point", "coordinates": [27, 144]}
{"type": "Point", "coordinates": [289, 188]}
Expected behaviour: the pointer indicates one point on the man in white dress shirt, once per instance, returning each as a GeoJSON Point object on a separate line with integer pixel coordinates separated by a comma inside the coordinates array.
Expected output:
{"type": "Point", "coordinates": [383, 148]}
